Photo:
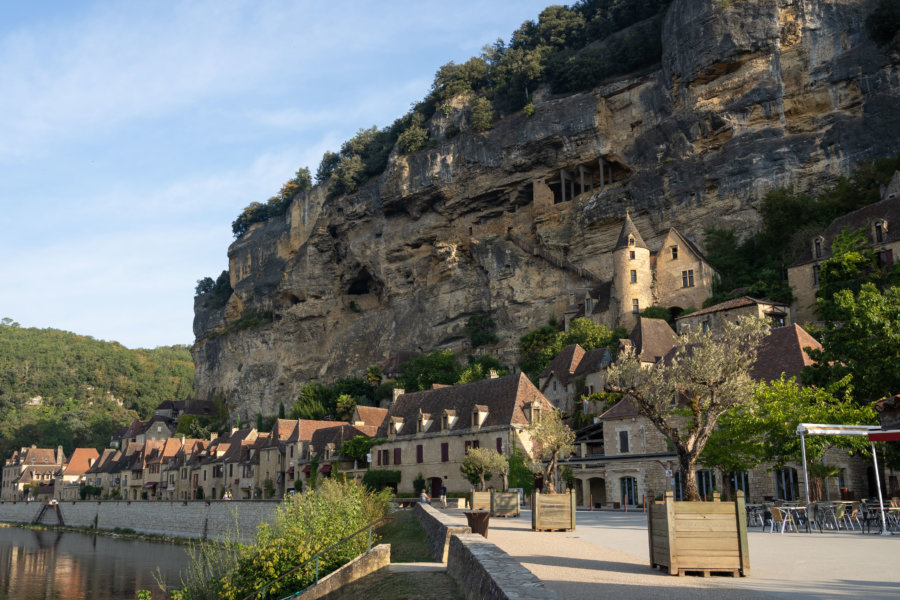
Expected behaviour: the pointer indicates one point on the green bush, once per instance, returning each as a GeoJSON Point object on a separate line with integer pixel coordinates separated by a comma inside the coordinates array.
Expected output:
{"type": "Point", "coordinates": [482, 116]}
{"type": "Point", "coordinates": [377, 479]}
{"type": "Point", "coordinates": [304, 525]}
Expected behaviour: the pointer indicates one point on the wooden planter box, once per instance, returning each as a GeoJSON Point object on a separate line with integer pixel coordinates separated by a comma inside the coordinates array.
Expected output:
{"type": "Point", "coordinates": [552, 512]}
{"type": "Point", "coordinates": [505, 504]}
{"type": "Point", "coordinates": [699, 536]}
{"type": "Point", "coordinates": [481, 500]}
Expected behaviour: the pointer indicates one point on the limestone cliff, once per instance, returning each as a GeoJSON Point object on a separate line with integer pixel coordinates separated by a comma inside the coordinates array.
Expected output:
{"type": "Point", "coordinates": [750, 95]}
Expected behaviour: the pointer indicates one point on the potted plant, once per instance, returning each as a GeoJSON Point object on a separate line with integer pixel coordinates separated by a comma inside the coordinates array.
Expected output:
{"type": "Point", "coordinates": [550, 510]}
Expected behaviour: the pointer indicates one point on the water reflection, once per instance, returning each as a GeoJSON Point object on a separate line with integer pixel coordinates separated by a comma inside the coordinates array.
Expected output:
{"type": "Point", "coordinates": [51, 565]}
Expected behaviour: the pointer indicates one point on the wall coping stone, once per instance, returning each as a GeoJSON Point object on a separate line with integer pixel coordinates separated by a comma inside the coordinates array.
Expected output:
{"type": "Point", "coordinates": [438, 529]}
{"type": "Point", "coordinates": [485, 572]}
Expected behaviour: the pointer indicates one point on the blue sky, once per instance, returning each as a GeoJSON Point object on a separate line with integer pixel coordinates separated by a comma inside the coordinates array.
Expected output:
{"type": "Point", "coordinates": [133, 133]}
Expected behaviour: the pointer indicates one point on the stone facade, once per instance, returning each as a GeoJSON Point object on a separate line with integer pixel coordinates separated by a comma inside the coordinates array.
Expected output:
{"type": "Point", "coordinates": [712, 318]}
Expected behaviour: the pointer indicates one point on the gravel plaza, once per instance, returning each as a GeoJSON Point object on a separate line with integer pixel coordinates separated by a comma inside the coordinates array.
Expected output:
{"type": "Point", "coordinates": [607, 555]}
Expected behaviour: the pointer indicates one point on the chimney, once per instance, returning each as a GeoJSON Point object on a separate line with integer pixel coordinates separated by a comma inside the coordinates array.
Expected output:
{"type": "Point", "coordinates": [182, 439]}
{"type": "Point", "coordinates": [494, 374]}
{"type": "Point", "coordinates": [397, 392]}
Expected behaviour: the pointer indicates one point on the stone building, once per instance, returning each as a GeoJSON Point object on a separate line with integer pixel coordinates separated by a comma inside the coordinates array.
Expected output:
{"type": "Point", "coordinates": [675, 276]}
{"type": "Point", "coordinates": [711, 318]}
{"type": "Point", "coordinates": [429, 432]}
{"type": "Point", "coordinates": [30, 466]}
{"type": "Point", "coordinates": [880, 223]}
{"type": "Point", "coordinates": [623, 456]}
{"type": "Point", "coordinates": [573, 373]}
{"type": "Point", "coordinates": [74, 474]}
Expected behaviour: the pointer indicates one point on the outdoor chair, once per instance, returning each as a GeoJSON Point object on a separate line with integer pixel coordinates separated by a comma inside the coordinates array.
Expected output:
{"type": "Point", "coordinates": [779, 516]}
{"type": "Point", "coordinates": [851, 517]}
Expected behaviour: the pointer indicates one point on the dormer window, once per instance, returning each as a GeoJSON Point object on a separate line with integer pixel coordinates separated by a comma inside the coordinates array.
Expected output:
{"type": "Point", "coordinates": [880, 229]}
{"type": "Point", "coordinates": [535, 411]}
{"type": "Point", "coordinates": [631, 240]}
{"type": "Point", "coordinates": [395, 426]}
{"type": "Point", "coordinates": [817, 247]}
{"type": "Point", "coordinates": [479, 414]}
{"type": "Point", "coordinates": [423, 423]}
{"type": "Point", "coordinates": [448, 419]}
{"type": "Point", "coordinates": [674, 252]}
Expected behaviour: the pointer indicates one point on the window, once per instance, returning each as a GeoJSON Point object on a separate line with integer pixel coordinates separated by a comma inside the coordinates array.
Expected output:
{"type": "Point", "coordinates": [500, 445]}
{"type": "Point", "coordinates": [631, 240]}
{"type": "Point", "coordinates": [554, 385]}
{"type": "Point", "coordinates": [879, 232]}
{"type": "Point", "coordinates": [468, 445]}
{"type": "Point", "coordinates": [740, 481]}
{"type": "Point", "coordinates": [633, 276]}
{"type": "Point", "coordinates": [706, 484]}
{"type": "Point", "coordinates": [705, 326]}
{"type": "Point", "coordinates": [396, 456]}
{"type": "Point", "coordinates": [818, 247]}
{"type": "Point", "coordinates": [292, 452]}
{"type": "Point", "coordinates": [623, 442]}
{"type": "Point", "coordinates": [885, 258]}
{"type": "Point", "coordinates": [631, 255]}
{"type": "Point", "coordinates": [231, 470]}
{"type": "Point", "coordinates": [635, 306]}
{"type": "Point", "coordinates": [379, 457]}
{"type": "Point", "coordinates": [679, 488]}
{"type": "Point", "coordinates": [628, 487]}
{"type": "Point", "coordinates": [815, 275]}
{"type": "Point", "coordinates": [786, 486]}
{"type": "Point", "coordinates": [445, 452]}
{"type": "Point", "coordinates": [674, 252]}
{"type": "Point", "coordinates": [687, 278]}
{"type": "Point", "coordinates": [419, 453]}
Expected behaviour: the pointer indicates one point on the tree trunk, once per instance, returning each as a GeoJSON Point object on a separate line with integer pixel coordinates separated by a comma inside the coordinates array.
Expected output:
{"type": "Point", "coordinates": [688, 477]}
{"type": "Point", "coordinates": [549, 484]}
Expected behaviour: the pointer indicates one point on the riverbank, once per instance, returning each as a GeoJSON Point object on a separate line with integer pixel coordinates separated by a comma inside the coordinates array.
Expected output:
{"type": "Point", "coordinates": [192, 519]}
{"type": "Point", "coordinates": [124, 534]}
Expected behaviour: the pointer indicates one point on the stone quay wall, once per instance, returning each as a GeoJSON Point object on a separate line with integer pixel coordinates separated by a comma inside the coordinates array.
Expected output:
{"type": "Point", "coordinates": [438, 529]}
{"type": "Point", "coordinates": [485, 572]}
{"type": "Point", "coordinates": [190, 519]}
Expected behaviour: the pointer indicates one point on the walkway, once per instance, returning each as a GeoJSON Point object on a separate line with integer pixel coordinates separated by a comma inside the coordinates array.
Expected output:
{"type": "Point", "coordinates": [607, 555]}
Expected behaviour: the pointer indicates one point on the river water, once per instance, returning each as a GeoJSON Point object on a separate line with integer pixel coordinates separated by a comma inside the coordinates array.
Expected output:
{"type": "Point", "coordinates": [53, 565]}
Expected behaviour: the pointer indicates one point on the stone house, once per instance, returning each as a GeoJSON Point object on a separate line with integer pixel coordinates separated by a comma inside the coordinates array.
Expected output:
{"type": "Point", "coordinates": [676, 276]}
{"type": "Point", "coordinates": [712, 318]}
{"type": "Point", "coordinates": [74, 474]}
{"type": "Point", "coordinates": [325, 449]}
{"type": "Point", "coordinates": [241, 466]}
{"type": "Point", "coordinates": [156, 478]}
{"type": "Point", "coordinates": [429, 432]}
{"type": "Point", "coordinates": [98, 475]}
{"type": "Point", "coordinates": [622, 456]}
{"type": "Point", "coordinates": [573, 373]}
{"type": "Point", "coordinates": [299, 447]}
{"type": "Point", "coordinates": [29, 466]}
{"type": "Point", "coordinates": [179, 470]}
{"type": "Point", "coordinates": [272, 456]}
{"type": "Point", "coordinates": [880, 223]}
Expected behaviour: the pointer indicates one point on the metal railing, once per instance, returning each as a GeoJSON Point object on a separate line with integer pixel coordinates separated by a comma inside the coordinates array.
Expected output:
{"type": "Point", "coordinates": [260, 592]}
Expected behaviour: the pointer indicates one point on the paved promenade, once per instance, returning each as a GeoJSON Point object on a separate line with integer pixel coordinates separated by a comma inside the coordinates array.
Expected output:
{"type": "Point", "coordinates": [607, 555]}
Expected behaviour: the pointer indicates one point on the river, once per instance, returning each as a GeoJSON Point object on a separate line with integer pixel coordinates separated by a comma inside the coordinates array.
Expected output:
{"type": "Point", "coordinates": [55, 565]}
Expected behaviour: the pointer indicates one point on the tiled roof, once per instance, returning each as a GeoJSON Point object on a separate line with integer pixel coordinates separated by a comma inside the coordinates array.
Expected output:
{"type": "Point", "coordinates": [887, 209]}
{"type": "Point", "coordinates": [652, 339]}
{"type": "Point", "coordinates": [28, 475]}
{"type": "Point", "coordinates": [306, 428]}
{"type": "Point", "coordinates": [593, 361]}
{"type": "Point", "coordinates": [103, 460]}
{"type": "Point", "coordinates": [337, 436]}
{"type": "Point", "coordinates": [782, 351]}
{"type": "Point", "coordinates": [80, 461]}
{"type": "Point", "coordinates": [505, 397]}
{"type": "Point", "coordinates": [628, 228]}
{"type": "Point", "coordinates": [564, 364]}
{"type": "Point", "coordinates": [283, 430]}
{"type": "Point", "coordinates": [731, 305]}
{"type": "Point", "coordinates": [622, 408]}
{"type": "Point", "coordinates": [39, 456]}
{"type": "Point", "coordinates": [372, 415]}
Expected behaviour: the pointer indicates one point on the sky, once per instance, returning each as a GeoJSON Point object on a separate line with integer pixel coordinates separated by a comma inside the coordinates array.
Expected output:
{"type": "Point", "coordinates": [132, 134]}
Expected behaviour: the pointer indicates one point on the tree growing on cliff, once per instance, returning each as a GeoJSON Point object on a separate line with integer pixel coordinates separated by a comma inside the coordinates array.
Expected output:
{"type": "Point", "coordinates": [684, 394]}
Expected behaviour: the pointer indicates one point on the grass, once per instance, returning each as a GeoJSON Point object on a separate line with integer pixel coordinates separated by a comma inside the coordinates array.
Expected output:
{"type": "Point", "coordinates": [406, 537]}
{"type": "Point", "coordinates": [383, 585]}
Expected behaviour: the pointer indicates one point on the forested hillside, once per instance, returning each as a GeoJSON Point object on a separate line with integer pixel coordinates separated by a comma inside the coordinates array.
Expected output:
{"type": "Point", "coordinates": [60, 388]}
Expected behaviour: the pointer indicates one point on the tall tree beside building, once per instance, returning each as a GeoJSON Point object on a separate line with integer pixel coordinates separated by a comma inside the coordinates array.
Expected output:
{"type": "Point", "coordinates": [685, 393]}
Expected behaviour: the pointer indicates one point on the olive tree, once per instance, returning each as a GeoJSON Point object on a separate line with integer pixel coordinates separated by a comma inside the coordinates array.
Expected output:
{"type": "Point", "coordinates": [481, 463]}
{"type": "Point", "coordinates": [684, 394]}
{"type": "Point", "coordinates": [553, 440]}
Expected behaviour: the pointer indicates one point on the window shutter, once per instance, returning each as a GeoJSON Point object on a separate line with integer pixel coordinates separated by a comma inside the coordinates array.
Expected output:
{"type": "Point", "coordinates": [396, 456]}
{"type": "Point", "coordinates": [468, 445]}
{"type": "Point", "coordinates": [445, 452]}
{"type": "Point", "coordinates": [419, 453]}
{"type": "Point", "coordinates": [500, 445]}
{"type": "Point", "coordinates": [476, 444]}
{"type": "Point", "coordinates": [379, 458]}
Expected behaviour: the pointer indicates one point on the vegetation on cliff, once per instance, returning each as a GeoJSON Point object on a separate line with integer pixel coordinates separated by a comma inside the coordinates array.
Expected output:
{"type": "Point", "coordinates": [567, 49]}
{"type": "Point", "coordinates": [538, 347]}
{"type": "Point", "coordinates": [757, 266]}
{"type": "Point", "coordinates": [884, 23]}
{"type": "Point", "coordinates": [59, 388]}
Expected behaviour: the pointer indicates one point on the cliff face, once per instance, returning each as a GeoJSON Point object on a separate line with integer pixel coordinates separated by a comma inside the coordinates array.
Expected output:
{"type": "Point", "coordinates": [749, 96]}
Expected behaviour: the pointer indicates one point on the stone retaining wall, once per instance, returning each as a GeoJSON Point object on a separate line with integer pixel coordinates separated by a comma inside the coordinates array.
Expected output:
{"type": "Point", "coordinates": [438, 529]}
{"type": "Point", "coordinates": [377, 558]}
{"type": "Point", "coordinates": [485, 572]}
{"type": "Point", "coordinates": [192, 519]}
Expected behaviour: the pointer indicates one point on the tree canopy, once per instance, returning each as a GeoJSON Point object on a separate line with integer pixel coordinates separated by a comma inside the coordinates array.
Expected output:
{"type": "Point", "coordinates": [553, 441]}
{"type": "Point", "coordinates": [684, 395]}
{"type": "Point", "coordinates": [538, 347]}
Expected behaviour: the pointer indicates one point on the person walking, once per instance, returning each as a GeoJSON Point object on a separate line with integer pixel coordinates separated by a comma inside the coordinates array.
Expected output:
{"type": "Point", "coordinates": [443, 496]}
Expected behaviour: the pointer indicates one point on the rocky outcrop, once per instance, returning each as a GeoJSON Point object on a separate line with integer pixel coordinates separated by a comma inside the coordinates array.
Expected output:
{"type": "Point", "coordinates": [750, 95]}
